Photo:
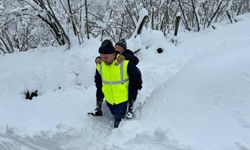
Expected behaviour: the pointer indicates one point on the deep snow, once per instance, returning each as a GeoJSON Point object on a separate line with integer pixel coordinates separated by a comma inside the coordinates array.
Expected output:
{"type": "Point", "coordinates": [195, 95]}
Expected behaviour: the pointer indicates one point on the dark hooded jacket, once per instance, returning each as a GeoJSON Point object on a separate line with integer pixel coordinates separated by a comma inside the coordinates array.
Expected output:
{"type": "Point", "coordinates": [129, 55]}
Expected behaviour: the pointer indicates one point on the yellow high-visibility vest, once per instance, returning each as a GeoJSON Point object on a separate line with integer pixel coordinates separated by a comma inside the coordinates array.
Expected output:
{"type": "Point", "coordinates": [115, 81]}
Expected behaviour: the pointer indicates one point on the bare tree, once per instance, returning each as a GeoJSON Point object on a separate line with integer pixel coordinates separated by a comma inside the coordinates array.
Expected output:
{"type": "Point", "coordinates": [6, 42]}
{"type": "Point", "coordinates": [177, 22]}
{"type": "Point", "coordinates": [216, 11]}
{"type": "Point", "coordinates": [72, 18]}
{"type": "Point", "coordinates": [122, 26]}
{"type": "Point", "coordinates": [152, 14]}
{"type": "Point", "coordinates": [141, 22]}
{"type": "Point", "coordinates": [229, 17]}
{"type": "Point", "coordinates": [141, 25]}
{"type": "Point", "coordinates": [196, 16]}
{"type": "Point", "coordinates": [130, 15]}
{"type": "Point", "coordinates": [184, 17]}
{"type": "Point", "coordinates": [50, 22]}
{"type": "Point", "coordinates": [86, 17]}
{"type": "Point", "coordinates": [248, 5]}
{"type": "Point", "coordinates": [53, 23]}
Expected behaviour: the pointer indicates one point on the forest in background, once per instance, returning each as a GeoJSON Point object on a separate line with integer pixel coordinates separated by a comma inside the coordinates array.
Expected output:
{"type": "Point", "coordinates": [27, 24]}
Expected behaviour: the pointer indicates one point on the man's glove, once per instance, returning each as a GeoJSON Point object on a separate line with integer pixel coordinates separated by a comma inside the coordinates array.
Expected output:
{"type": "Point", "coordinates": [98, 60]}
{"type": "Point", "coordinates": [98, 112]}
{"type": "Point", "coordinates": [120, 59]}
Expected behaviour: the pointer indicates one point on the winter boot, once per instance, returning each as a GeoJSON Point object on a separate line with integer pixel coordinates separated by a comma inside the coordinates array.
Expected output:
{"type": "Point", "coordinates": [116, 124]}
{"type": "Point", "coordinates": [98, 112]}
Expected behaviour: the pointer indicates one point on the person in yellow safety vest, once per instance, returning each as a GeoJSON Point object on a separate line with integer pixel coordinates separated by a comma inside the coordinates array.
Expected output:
{"type": "Point", "coordinates": [124, 54]}
{"type": "Point", "coordinates": [113, 80]}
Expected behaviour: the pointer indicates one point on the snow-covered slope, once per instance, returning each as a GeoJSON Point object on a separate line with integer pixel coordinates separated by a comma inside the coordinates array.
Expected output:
{"type": "Point", "coordinates": [194, 96]}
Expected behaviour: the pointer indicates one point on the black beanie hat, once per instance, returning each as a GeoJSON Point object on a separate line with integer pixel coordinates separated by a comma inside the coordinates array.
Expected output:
{"type": "Point", "coordinates": [122, 43]}
{"type": "Point", "coordinates": [106, 47]}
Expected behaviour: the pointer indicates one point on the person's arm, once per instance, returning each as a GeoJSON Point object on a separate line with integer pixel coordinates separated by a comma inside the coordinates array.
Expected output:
{"type": "Point", "coordinates": [129, 55]}
{"type": "Point", "coordinates": [98, 84]}
{"type": "Point", "coordinates": [98, 60]}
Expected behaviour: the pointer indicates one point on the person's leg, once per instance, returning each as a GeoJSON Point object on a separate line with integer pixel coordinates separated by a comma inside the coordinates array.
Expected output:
{"type": "Point", "coordinates": [132, 97]}
{"type": "Point", "coordinates": [131, 105]}
{"type": "Point", "coordinates": [119, 112]}
{"type": "Point", "coordinates": [99, 100]}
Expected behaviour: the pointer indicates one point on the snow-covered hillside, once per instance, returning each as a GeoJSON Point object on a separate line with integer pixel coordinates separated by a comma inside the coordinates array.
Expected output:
{"type": "Point", "coordinates": [195, 95]}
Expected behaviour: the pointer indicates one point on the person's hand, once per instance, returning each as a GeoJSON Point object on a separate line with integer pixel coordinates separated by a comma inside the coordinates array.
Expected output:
{"type": "Point", "coordinates": [98, 112]}
{"type": "Point", "coordinates": [120, 59]}
{"type": "Point", "coordinates": [98, 60]}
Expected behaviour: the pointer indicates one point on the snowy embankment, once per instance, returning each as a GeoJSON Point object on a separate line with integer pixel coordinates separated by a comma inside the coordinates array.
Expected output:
{"type": "Point", "coordinates": [195, 96]}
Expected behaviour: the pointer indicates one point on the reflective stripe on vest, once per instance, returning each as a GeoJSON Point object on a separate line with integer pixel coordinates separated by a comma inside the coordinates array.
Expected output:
{"type": "Point", "coordinates": [121, 75]}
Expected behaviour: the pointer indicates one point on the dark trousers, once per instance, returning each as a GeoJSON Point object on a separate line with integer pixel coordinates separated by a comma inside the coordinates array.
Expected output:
{"type": "Point", "coordinates": [118, 111]}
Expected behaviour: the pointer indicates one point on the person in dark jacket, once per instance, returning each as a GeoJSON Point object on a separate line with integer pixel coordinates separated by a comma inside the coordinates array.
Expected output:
{"type": "Point", "coordinates": [113, 81]}
{"type": "Point", "coordinates": [125, 54]}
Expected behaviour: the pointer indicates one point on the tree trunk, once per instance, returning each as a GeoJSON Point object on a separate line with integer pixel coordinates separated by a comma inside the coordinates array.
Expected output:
{"type": "Point", "coordinates": [141, 25]}
{"type": "Point", "coordinates": [7, 43]}
{"type": "Point", "coordinates": [130, 15]}
{"type": "Point", "coordinates": [72, 19]}
{"type": "Point", "coordinates": [248, 5]}
{"type": "Point", "coordinates": [152, 17]}
{"type": "Point", "coordinates": [229, 16]}
{"type": "Point", "coordinates": [218, 8]}
{"type": "Point", "coordinates": [196, 16]}
{"type": "Point", "coordinates": [86, 17]}
{"type": "Point", "coordinates": [54, 24]}
{"type": "Point", "coordinates": [184, 17]}
{"type": "Point", "coordinates": [177, 22]}
{"type": "Point", "coordinates": [120, 36]}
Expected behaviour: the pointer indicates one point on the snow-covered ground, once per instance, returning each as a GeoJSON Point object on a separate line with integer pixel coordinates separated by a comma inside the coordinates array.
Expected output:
{"type": "Point", "coordinates": [195, 95]}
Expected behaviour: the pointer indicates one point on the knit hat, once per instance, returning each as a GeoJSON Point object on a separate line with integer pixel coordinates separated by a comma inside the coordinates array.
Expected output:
{"type": "Point", "coordinates": [106, 47]}
{"type": "Point", "coordinates": [122, 43]}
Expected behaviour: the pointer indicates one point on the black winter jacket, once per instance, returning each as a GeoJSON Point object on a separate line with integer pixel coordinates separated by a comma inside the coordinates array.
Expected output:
{"type": "Point", "coordinates": [129, 55]}
{"type": "Point", "coordinates": [135, 82]}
